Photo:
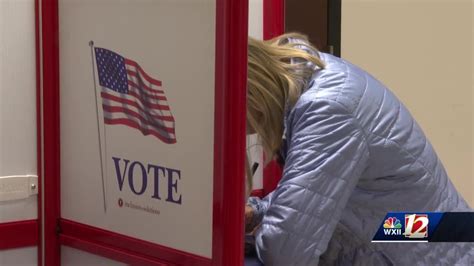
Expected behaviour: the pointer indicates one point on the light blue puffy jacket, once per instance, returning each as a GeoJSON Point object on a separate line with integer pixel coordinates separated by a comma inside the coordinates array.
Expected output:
{"type": "Point", "coordinates": [353, 153]}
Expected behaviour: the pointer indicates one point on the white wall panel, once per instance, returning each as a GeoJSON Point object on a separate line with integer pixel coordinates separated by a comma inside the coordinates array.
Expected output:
{"type": "Point", "coordinates": [423, 51]}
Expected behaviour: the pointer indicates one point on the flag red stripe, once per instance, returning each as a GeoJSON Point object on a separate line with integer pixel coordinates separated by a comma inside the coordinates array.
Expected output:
{"type": "Point", "coordinates": [145, 87]}
{"type": "Point", "coordinates": [134, 93]}
{"type": "Point", "coordinates": [135, 74]}
{"type": "Point", "coordinates": [121, 109]}
{"type": "Point", "coordinates": [130, 123]}
{"type": "Point", "coordinates": [132, 103]}
{"type": "Point", "coordinates": [168, 118]}
{"type": "Point", "coordinates": [116, 109]}
{"type": "Point", "coordinates": [142, 72]}
{"type": "Point", "coordinates": [138, 104]}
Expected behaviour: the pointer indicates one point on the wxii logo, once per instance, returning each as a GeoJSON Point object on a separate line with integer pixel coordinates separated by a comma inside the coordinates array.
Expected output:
{"type": "Point", "coordinates": [416, 225]}
{"type": "Point", "coordinates": [392, 227]}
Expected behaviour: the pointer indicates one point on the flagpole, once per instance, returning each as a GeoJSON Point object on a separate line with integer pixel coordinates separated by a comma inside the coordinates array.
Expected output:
{"type": "Point", "coordinates": [102, 170]}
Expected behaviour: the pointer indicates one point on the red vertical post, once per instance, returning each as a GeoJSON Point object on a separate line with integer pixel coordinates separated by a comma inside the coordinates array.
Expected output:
{"type": "Point", "coordinates": [230, 121]}
{"type": "Point", "coordinates": [39, 165]}
{"type": "Point", "coordinates": [51, 133]}
{"type": "Point", "coordinates": [273, 18]}
{"type": "Point", "coordinates": [273, 25]}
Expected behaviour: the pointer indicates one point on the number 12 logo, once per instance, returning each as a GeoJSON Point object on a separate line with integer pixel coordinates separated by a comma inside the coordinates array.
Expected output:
{"type": "Point", "coordinates": [416, 225]}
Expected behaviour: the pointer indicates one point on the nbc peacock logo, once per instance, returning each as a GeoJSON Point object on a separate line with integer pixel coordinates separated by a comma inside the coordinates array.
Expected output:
{"type": "Point", "coordinates": [392, 227]}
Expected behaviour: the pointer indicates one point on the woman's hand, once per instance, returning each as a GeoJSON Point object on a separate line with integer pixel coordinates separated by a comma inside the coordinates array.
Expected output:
{"type": "Point", "coordinates": [250, 229]}
{"type": "Point", "coordinates": [250, 224]}
{"type": "Point", "coordinates": [248, 219]}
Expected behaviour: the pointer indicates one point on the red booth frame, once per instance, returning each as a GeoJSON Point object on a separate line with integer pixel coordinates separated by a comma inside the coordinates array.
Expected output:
{"type": "Point", "coordinates": [229, 154]}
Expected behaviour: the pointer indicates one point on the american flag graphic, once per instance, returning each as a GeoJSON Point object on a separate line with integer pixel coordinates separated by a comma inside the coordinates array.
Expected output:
{"type": "Point", "coordinates": [132, 98]}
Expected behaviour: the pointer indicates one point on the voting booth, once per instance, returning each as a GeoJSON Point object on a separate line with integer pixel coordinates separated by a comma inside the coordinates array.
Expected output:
{"type": "Point", "coordinates": [138, 128]}
{"type": "Point", "coordinates": [144, 129]}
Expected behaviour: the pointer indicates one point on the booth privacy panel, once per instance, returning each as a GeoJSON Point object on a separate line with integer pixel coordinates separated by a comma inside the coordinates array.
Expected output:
{"type": "Point", "coordinates": [18, 153]}
{"type": "Point", "coordinates": [137, 118]}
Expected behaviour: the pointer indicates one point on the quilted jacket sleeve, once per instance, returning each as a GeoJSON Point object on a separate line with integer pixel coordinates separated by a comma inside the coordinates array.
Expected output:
{"type": "Point", "coordinates": [327, 153]}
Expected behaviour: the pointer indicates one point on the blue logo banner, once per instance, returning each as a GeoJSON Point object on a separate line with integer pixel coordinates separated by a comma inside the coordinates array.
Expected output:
{"type": "Point", "coordinates": [408, 226]}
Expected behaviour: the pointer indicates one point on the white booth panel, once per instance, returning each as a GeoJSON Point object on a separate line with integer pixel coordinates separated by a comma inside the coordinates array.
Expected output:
{"type": "Point", "coordinates": [256, 18]}
{"type": "Point", "coordinates": [255, 154]}
{"type": "Point", "coordinates": [254, 149]}
{"type": "Point", "coordinates": [20, 256]}
{"type": "Point", "coordinates": [17, 101]}
{"type": "Point", "coordinates": [75, 257]}
{"type": "Point", "coordinates": [18, 210]}
{"type": "Point", "coordinates": [97, 145]}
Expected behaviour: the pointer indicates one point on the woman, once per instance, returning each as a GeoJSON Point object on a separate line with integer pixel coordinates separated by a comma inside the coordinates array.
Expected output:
{"type": "Point", "coordinates": [352, 152]}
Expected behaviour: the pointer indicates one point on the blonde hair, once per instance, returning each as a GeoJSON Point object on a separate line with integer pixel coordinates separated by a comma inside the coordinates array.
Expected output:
{"type": "Point", "coordinates": [278, 72]}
